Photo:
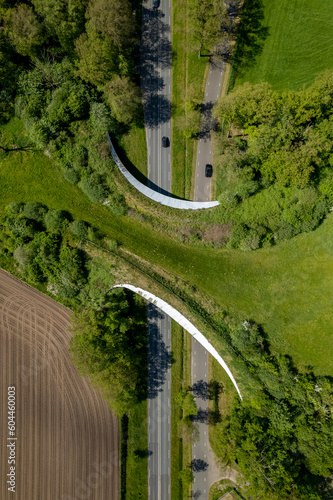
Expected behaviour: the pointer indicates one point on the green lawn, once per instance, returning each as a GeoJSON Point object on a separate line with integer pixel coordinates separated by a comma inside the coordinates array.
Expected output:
{"type": "Point", "coordinates": [299, 45]}
{"type": "Point", "coordinates": [287, 288]}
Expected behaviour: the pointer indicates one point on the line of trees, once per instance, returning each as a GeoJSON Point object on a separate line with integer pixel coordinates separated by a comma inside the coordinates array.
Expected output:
{"type": "Point", "coordinates": [109, 346]}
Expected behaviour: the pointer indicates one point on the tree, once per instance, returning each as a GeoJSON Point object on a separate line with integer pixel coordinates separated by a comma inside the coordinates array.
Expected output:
{"type": "Point", "coordinates": [79, 228]}
{"type": "Point", "coordinates": [110, 347]}
{"type": "Point", "coordinates": [25, 31]}
{"type": "Point", "coordinates": [34, 210]}
{"type": "Point", "coordinates": [93, 189]}
{"type": "Point", "coordinates": [97, 58]}
{"type": "Point", "coordinates": [209, 22]}
{"type": "Point", "coordinates": [64, 19]}
{"type": "Point", "coordinates": [55, 220]}
{"type": "Point", "coordinates": [112, 19]}
{"type": "Point", "coordinates": [124, 98]}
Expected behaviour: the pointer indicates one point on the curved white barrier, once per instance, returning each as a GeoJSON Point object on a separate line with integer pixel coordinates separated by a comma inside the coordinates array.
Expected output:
{"type": "Point", "coordinates": [185, 323]}
{"type": "Point", "coordinates": [154, 195]}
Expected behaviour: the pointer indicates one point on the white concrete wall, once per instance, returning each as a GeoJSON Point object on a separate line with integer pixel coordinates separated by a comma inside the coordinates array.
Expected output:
{"type": "Point", "coordinates": [154, 195]}
{"type": "Point", "coordinates": [183, 322]}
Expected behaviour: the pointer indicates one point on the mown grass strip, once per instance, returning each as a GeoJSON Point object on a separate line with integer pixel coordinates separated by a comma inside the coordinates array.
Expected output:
{"type": "Point", "coordinates": [298, 46]}
{"type": "Point", "coordinates": [137, 454]}
{"type": "Point", "coordinates": [177, 348]}
{"type": "Point", "coordinates": [187, 69]}
{"type": "Point", "coordinates": [181, 449]}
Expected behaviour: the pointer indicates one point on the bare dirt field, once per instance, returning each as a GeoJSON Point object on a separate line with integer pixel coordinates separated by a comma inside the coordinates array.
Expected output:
{"type": "Point", "coordinates": [67, 439]}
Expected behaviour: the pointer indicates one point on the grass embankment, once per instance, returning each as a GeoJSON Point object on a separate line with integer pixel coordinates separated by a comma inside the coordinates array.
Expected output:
{"type": "Point", "coordinates": [187, 69]}
{"type": "Point", "coordinates": [297, 47]}
{"type": "Point", "coordinates": [134, 147]}
{"type": "Point", "coordinates": [137, 454]}
{"type": "Point", "coordinates": [286, 288]}
{"type": "Point", "coordinates": [181, 450]}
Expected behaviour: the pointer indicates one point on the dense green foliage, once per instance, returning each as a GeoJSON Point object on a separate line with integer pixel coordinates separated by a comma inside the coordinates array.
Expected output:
{"type": "Point", "coordinates": [277, 166]}
{"type": "Point", "coordinates": [110, 347]}
{"type": "Point", "coordinates": [66, 67]}
{"type": "Point", "coordinates": [281, 433]}
{"type": "Point", "coordinates": [210, 23]}
{"type": "Point", "coordinates": [43, 244]}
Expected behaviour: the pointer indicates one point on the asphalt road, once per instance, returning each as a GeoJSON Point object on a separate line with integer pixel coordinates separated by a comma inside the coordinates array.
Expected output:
{"type": "Point", "coordinates": [156, 86]}
{"type": "Point", "coordinates": [159, 407]}
{"type": "Point", "coordinates": [201, 457]}
{"type": "Point", "coordinates": [202, 185]}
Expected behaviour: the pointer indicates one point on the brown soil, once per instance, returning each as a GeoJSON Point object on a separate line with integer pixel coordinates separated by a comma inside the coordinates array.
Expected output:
{"type": "Point", "coordinates": [67, 445]}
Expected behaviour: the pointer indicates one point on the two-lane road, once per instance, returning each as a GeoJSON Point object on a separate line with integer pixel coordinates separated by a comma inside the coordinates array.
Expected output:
{"type": "Point", "coordinates": [202, 185]}
{"type": "Point", "coordinates": [156, 87]}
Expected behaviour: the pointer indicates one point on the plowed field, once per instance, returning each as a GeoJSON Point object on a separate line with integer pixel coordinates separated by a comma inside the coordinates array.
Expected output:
{"type": "Point", "coordinates": [66, 445]}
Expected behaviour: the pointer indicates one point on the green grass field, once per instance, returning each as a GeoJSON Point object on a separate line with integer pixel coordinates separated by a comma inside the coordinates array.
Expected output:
{"type": "Point", "coordinates": [287, 288]}
{"type": "Point", "coordinates": [299, 45]}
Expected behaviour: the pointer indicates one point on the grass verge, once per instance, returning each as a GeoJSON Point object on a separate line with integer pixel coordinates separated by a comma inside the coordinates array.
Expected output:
{"type": "Point", "coordinates": [181, 450]}
{"type": "Point", "coordinates": [134, 146]}
{"type": "Point", "coordinates": [187, 69]}
{"type": "Point", "coordinates": [290, 46]}
{"type": "Point", "coordinates": [137, 454]}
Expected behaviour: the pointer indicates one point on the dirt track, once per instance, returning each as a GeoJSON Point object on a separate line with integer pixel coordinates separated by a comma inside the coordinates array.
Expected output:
{"type": "Point", "coordinates": [67, 438]}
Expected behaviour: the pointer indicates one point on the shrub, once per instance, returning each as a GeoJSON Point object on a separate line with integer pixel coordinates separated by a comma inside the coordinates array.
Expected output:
{"type": "Point", "coordinates": [15, 208]}
{"type": "Point", "coordinates": [34, 210]}
{"type": "Point", "coordinates": [92, 189]}
{"type": "Point", "coordinates": [71, 175]}
{"type": "Point", "coordinates": [55, 220]}
{"type": "Point", "coordinates": [79, 228]}
{"type": "Point", "coordinates": [21, 255]}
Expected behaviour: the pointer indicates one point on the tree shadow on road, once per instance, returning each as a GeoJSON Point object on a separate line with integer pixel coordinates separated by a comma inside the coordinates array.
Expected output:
{"type": "Point", "coordinates": [159, 355]}
{"type": "Point", "coordinates": [155, 54]}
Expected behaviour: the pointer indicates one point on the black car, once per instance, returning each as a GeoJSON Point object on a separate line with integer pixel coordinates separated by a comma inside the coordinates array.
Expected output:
{"type": "Point", "coordinates": [208, 170]}
{"type": "Point", "coordinates": [165, 142]}
{"type": "Point", "coordinates": [156, 3]}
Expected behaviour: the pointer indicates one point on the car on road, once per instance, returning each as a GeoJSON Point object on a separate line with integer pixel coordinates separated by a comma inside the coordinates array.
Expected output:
{"type": "Point", "coordinates": [208, 170]}
{"type": "Point", "coordinates": [156, 4]}
{"type": "Point", "coordinates": [165, 142]}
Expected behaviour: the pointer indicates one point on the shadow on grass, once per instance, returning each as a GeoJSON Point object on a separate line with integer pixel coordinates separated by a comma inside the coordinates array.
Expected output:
{"type": "Point", "coordinates": [251, 36]}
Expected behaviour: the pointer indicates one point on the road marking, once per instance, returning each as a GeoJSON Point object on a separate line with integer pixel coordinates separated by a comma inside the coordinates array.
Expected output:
{"type": "Point", "coordinates": [204, 479]}
{"type": "Point", "coordinates": [208, 83]}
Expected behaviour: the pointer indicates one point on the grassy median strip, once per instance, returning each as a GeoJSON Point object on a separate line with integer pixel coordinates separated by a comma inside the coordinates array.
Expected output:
{"type": "Point", "coordinates": [187, 70]}
{"type": "Point", "coordinates": [137, 454]}
{"type": "Point", "coordinates": [181, 449]}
